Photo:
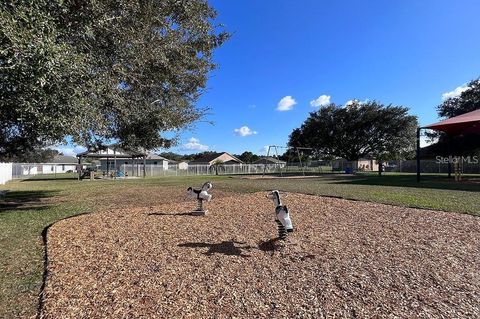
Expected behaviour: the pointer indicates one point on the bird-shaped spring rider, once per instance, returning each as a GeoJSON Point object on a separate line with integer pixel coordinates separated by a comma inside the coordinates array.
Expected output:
{"type": "Point", "coordinates": [282, 217]}
{"type": "Point", "coordinates": [200, 195]}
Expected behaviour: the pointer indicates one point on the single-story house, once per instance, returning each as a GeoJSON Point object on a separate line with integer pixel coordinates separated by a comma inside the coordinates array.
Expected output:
{"type": "Point", "coordinates": [114, 158]}
{"type": "Point", "coordinates": [59, 164]}
{"type": "Point", "coordinates": [209, 159]}
{"type": "Point", "coordinates": [271, 161]}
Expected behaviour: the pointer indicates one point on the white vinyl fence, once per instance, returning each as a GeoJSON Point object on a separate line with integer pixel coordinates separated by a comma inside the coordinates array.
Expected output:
{"type": "Point", "coordinates": [27, 170]}
{"type": "Point", "coordinates": [5, 172]}
{"type": "Point", "coordinates": [174, 170]}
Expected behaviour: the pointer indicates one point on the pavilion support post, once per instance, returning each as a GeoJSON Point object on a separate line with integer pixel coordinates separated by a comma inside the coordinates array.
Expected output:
{"type": "Point", "coordinates": [265, 161]}
{"type": "Point", "coordinates": [79, 167]}
{"type": "Point", "coordinates": [144, 166]}
{"type": "Point", "coordinates": [133, 166]}
{"type": "Point", "coordinates": [115, 163]}
{"type": "Point", "coordinates": [418, 154]}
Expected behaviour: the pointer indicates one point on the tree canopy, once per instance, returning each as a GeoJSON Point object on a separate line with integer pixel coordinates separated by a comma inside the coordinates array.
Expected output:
{"type": "Point", "coordinates": [357, 130]}
{"type": "Point", "coordinates": [111, 70]}
{"type": "Point", "coordinates": [247, 157]}
{"type": "Point", "coordinates": [464, 144]}
{"type": "Point", "coordinates": [467, 101]}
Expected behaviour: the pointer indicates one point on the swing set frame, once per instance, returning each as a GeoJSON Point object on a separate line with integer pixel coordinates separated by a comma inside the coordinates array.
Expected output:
{"type": "Point", "coordinates": [276, 147]}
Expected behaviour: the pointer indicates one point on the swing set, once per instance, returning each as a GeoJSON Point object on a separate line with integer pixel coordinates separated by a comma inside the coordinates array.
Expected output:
{"type": "Point", "coordinates": [296, 150]}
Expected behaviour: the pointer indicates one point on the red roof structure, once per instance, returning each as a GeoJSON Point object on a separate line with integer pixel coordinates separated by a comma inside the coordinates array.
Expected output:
{"type": "Point", "coordinates": [465, 123]}
{"type": "Point", "coordinates": [468, 123]}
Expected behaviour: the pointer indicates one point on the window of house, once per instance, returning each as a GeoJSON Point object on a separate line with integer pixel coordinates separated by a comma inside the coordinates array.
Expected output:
{"type": "Point", "coordinates": [155, 163]}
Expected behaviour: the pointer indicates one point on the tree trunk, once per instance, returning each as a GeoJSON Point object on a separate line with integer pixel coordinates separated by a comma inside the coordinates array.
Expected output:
{"type": "Point", "coordinates": [380, 168]}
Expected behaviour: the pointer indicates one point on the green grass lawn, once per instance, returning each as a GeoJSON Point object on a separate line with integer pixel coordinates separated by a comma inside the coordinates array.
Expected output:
{"type": "Point", "coordinates": [32, 205]}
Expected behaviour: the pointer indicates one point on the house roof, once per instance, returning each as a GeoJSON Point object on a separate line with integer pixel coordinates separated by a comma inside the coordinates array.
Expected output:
{"type": "Point", "coordinates": [465, 123]}
{"type": "Point", "coordinates": [153, 156]}
{"type": "Point", "coordinates": [206, 159]}
{"type": "Point", "coordinates": [211, 157]}
{"type": "Point", "coordinates": [111, 151]}
{"type": "Point", "coordinates": [62, 159]}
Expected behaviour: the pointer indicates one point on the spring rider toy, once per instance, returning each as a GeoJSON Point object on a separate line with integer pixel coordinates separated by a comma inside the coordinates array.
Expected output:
{"type": "Point", "coordinates": [200, 195]}
{"type": "Point", "coordinates": [282, 217]}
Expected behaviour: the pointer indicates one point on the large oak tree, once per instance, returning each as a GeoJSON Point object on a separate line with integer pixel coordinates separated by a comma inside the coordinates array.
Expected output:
{"type": "Point", "coordinates": [102, 70]}
{"type": "Point", "coordinates": [357, 130]}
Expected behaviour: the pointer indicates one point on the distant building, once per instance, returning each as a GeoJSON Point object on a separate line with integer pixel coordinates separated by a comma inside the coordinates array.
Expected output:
{"type": "Point", "coordinates": [113, 158]}
{"type": "Point", "coordinates": [362, 164]}
{"type": "Point", "coordinates": [209, 159]}
{"type": "Point", "coordinates": [151, 159]}
{"type": "Point", "coordinates": [60, 164]}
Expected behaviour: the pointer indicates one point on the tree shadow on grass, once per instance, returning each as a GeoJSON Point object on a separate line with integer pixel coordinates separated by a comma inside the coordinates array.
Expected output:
{"type": "Point", "coordinates": [225, 248]}
{"type": "Point", "coordinates": [43, 179]}
{"type": "Point", "coordinates": [25, 200]}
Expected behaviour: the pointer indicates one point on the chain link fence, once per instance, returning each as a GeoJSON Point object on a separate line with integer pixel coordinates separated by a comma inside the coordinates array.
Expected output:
{"type": "Point", "coordinates": [432, 166]}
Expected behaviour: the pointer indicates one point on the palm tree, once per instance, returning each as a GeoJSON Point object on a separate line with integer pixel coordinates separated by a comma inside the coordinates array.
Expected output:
{"type": "Point", "coordinates": [216, 164]}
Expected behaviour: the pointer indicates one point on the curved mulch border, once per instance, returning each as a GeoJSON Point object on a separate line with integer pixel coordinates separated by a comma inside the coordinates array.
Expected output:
{"type": "Point", "coordinates": [346, 259]}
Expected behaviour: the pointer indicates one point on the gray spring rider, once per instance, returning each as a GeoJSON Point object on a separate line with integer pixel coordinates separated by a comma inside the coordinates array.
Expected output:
{"type": "Point", "coordinates": [282, 217]}
{"type": "Point", "coordinates": [200, 195]}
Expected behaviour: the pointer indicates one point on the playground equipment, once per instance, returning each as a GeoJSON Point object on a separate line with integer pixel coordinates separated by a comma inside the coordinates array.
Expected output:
{"type": "Point", "coordinates": [458, 166]}
{"type": "Point", "coordinates": [282, 217]}
{"type": "Point", "coordinates": [200, 195]}
{"type": "Point", "coordinates": [295, 149]}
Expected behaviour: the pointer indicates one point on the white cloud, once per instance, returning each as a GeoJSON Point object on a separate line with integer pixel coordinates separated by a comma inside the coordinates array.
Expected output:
{"type": "Point", "coordinates": [69, 150]}
{"type": "Point", "coordinates": [455, 93]}
{"type": "Point", "coordinates": [286, 103]}
{"type": "Point", "coordinates": [263, 150]}
{"type": "Point", "coordinates": [244, 131]}
{"type": "Point", "coordinates": [194, 144]}
{"type": "Point", "coordinates": [252, 106]}
{"type": "Point", "coordinates": [350, 102]}
{"type": "Point", "coordinates": [322, 100]}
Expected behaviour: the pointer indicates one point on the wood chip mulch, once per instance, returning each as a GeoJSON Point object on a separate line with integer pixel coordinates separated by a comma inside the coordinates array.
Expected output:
{"type": "Point", "coordinates": [346, 259]}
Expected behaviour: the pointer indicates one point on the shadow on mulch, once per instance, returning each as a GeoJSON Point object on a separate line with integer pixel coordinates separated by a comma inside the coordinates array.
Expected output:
{"type": "Point", "coordinates": [269, 245]}
{"type": "Point", "coordinates": [170, 214]}
{"type": "Point", "coordinates": [24, 200]}
{"type": "Point", "coordinates": [225, 248]}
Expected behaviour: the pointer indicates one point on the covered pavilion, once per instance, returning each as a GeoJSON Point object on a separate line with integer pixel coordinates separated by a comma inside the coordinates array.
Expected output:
{"type": "Point", "coordinates": [468, 123]}
{"type": "Point", "coordinates": [116, 153]}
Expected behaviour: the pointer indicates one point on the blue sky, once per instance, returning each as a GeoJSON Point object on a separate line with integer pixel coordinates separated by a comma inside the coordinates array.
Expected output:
{"type": "Point", "coordinates": [404, 52]}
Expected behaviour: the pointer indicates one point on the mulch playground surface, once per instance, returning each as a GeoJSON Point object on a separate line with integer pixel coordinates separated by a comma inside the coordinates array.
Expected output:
{"type": "Point", "coordinates": [346, 259]}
